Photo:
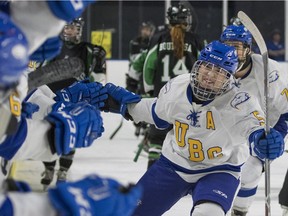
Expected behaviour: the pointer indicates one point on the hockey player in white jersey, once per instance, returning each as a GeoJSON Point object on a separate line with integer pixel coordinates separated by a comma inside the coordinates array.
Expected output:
{"type": "Point", "coordinates": [206, 114]}
{"type": "Point", "coordinates": [73, 198]}
{"type": "Point", "coordinates": [251, 78]}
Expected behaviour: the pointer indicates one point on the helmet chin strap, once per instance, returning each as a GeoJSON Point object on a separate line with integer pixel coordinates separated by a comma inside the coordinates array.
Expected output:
{"type": "Point", "coordinates": [245, 63]}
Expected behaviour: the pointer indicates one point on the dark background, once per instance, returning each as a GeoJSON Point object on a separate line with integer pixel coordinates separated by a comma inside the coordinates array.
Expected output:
{"type": "Point", "coordinates": [125, 17]}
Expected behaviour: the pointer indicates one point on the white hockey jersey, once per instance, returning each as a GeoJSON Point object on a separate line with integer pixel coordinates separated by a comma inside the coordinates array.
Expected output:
{"type": "Point", "coordinates": [206, 137]}
{"type": "Point", "coordinates": [253, 83]}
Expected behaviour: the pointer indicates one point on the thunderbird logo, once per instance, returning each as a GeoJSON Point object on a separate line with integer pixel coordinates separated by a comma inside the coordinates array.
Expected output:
{"type": "Point", "coordinates": [239, 98]}
{"type": "Point", "coordinates": [273, 76]}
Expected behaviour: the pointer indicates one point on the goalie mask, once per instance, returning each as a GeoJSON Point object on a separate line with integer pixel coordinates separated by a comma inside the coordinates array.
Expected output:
{"type": "Point", "coordinates": [72, 32]}
{"type": "Point", "coordinates": [213, 73]}
{"type": "Point", "coordinates": [180, 15]}
{"type": "Point", "coordinates": [239, 37]}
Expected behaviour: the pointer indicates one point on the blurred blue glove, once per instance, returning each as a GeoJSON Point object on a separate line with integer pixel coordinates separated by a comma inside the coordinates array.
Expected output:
{"type": "Point", "coordinates": [68, 10]}
{"type": "Point", "coordinates": [122, 98]}
{"type": "Point", "coordinates": [76, 125]}
{"type": "Point", "coordinates": [94, 196]}
{"type": "Point", "coordinates": [48, 50]}
{"type": "Point", "coordinates": [14, 56]}
{"type": "Point", "coordinates": [92, 92]}
{"type": "Point", "coordinates": [269, 147]}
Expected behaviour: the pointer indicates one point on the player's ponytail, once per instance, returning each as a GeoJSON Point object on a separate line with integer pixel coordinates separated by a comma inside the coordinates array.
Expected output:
{"type": "Point", "coordinates": [177, 33]}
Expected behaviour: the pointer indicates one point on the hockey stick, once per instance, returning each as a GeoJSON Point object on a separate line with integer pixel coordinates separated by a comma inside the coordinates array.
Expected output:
{"type": "Point", "coordinates": [56, 71]}
{"type": "Point", "coordinates": [140, 148]}
{"type": "Point", "coordinates": [143, 145]}
{"type": "Point", "coordinates": [117, 129]}
{"type": "Point", "coordinates": [248, 23]}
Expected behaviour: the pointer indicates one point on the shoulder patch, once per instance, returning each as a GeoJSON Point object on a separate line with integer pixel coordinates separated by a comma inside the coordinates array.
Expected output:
{"type": "Point", "coordinates": [273, 76]}
{"type": "Point", "coordinates": [239, 98]}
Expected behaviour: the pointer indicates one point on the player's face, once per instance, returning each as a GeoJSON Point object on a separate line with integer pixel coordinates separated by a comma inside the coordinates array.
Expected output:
{"type": "Point", "coordinates": [70, 31]}
{"type": "Point", "coordinates": [241, 50]}
{"type": "Point", "coordinates": [211, 77]}
{"type": "Point", "coordinates": [146, 32]}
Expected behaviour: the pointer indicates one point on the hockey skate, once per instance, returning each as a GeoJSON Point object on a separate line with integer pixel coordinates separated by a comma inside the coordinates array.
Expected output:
{"type": "Point", "coordinates": [48, 176]}
{"type": "Point", "coordinates": [61, 176]}
{"type": "Point", "coordinates": [238, 213]}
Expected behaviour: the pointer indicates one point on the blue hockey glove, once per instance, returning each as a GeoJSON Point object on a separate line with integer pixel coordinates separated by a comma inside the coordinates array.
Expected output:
{"type": "Point", "coordinates": [68, 10]}
{"type": "Point", "coordinates": [48, 50]}
{"type": "Point", "coordinates": [269, 147]}
{"type": "Point", "coordinates": [14, 55]}
{"type": "Point", "coordinates": [92, 92]}
{"type": "Point", "coordinates": [28, 108]}
{"type": "Point", "coordinates": [122, 97]}
{"type": "Point", "coordinates": [76, 125]}
{"type": "Point", "coordinates": [94, 196]}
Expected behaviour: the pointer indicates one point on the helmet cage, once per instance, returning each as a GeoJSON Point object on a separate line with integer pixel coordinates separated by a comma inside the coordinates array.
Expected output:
{"type": "Point", "coordinates": [206, 87]}
{"type": "Point", "coordinates": [78, 23]}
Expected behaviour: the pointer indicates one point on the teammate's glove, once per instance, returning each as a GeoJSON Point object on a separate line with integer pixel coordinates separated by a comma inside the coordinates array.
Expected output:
{"type": "Point", "coordinates": [28, 108]}
{"type": "Point", "coordinates": [99, 56]}
{"type": "Point", "coordinates": [48, 50]}
{"type": "Point", "coordinates": [118, 99]}
{"type": "Point", "coordinates": [92, 92]}
{"type": "Point", "coordinates": [94, 196]}
{"type": "Point", "coordinates": [269, 147]}
{"type": "Point", "coordinates": [14, 52]}
{"type": "Point", "coordinates": [76, 126]}
{"type": "Point", "coordinates": [68, 10]}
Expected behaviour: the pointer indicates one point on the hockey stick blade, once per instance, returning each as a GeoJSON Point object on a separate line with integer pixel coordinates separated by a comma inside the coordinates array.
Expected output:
{"type": "Point", "coordinates": [56, 71]}
{"type": "Point", "coordinates": [249, 24]}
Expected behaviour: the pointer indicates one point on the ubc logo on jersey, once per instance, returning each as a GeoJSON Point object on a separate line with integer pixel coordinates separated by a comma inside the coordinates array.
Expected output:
{"type": "Point", "coordinates": [193, 116]}
{"type": "Point", "coordinates": [239, 98]}
{"type": "Point", "coordinates": [273, 76]}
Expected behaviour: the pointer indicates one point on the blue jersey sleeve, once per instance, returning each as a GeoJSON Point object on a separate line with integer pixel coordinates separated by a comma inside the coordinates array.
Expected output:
{"type": "Point", "coordinates": [68, 10]}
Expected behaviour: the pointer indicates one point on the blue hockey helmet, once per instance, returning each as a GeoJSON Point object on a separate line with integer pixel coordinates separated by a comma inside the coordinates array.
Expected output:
{"type": "Point", "coordinates": [14, 56]}
{"type": "Point", "coordinates": [237, 33]}
{"type": "Point", "coordinates": [221, 55]}
{"type": "Point", "coordinates": [213, 72]}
